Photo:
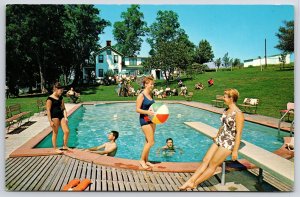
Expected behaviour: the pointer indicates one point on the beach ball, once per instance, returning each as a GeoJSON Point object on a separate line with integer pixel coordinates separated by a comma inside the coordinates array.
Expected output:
{"type": "Point", "coordinates": [161, 113]}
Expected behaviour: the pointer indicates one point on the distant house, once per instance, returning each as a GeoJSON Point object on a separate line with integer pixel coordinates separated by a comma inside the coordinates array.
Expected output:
{"type": "Point", "coordinates": [274, 59]}
{"type": "Point", "coordinates": [108, 58]}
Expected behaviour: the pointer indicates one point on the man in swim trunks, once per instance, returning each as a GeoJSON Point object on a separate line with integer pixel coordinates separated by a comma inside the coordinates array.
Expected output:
{"type": "Point", "coordinates": [110, 148]}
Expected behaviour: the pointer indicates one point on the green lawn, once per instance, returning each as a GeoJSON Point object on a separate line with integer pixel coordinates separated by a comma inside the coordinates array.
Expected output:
{"type": "Point", "coordinates": [273, 87]}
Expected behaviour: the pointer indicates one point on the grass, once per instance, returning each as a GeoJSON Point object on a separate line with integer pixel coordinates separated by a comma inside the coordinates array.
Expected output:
{"type": "Point", "coordinates": [274, 88]}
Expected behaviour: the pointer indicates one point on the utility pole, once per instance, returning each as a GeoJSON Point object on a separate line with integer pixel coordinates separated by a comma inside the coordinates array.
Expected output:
{"type": "Point", "coordinates": [265, 53]}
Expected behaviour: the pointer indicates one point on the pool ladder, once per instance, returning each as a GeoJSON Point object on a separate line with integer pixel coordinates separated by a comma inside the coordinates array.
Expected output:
{"type": "Point", "coordinates": [282, 120]}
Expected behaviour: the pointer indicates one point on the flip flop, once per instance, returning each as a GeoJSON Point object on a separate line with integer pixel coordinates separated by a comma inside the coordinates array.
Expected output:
{"type": "Point", "coordinates": [71, 184]}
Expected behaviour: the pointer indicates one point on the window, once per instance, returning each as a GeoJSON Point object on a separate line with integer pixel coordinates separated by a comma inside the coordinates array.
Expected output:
{"type": "Point", "coordinates": [100, 72]}
{"type": "Point", "coordinates": [108, 52]}
{"type": "Point", "coordinates": [116, 71]}
{"type": "Point", "coordinates": [100, 59]}
{"type": "Point", "coordinates": [116, 59]}
{"type": "Point", "coordinates": [132, 62]}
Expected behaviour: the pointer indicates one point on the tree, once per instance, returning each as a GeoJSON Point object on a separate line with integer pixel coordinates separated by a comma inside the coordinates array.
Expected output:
{"type": "Point", "coordinates": [236, 62]}
{"type": "Point", "coordinates": [286, 37]}
{"type": "Point", "coordinates": [170, 46]}
{"type": "Point", "coordinates": [204, 52]}
{"type": "Point", "coordinates": [226, 60]}
{"type": "Point", "coordinates": [282, 59]}
{"type": "Point", "coordinates": [128, 32]}
{"type": "Point", "coordinates": [218, 62]}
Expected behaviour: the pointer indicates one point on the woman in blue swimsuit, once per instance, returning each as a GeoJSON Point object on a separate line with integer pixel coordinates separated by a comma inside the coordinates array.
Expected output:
{"type": "Point", "coordinates": [143, 103]}
{"type": "Point", "coordinates": [57, 116]}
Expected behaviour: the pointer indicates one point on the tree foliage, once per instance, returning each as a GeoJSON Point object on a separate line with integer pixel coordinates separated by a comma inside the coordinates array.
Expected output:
{"type": "Point", "coordinates": [128, 32]}
{"type": "Point", "coordinates": [170, 46]}
{"type": "Point", "coordinates": [204, 52]}
{"type": "Point", "coordinates": [44, 42]}
{"type": "Point", "coordinates": [286, 37]}
{"type": "Point", "coordinates": [226, 60]}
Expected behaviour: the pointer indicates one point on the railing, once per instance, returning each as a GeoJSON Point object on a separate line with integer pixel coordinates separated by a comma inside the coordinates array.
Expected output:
{"type": "Point", "coordinates": [281, 120]}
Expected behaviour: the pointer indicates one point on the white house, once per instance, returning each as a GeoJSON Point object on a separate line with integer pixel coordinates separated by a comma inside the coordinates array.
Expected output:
{"type": "Point", "coordinates": [108, 58]}
{"type": "Point", "coordinates": [274, 59]}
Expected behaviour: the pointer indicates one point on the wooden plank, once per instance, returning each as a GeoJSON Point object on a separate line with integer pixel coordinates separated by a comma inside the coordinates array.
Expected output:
{"type": "Point", "coordinates": [89, 175]}
{"type": "Point", "coordinates": [177, 183]}
{"type": "Point", "coordinates": [165, 182]}
{"type": "Point", "coordinates": [83, 171]}
{"type": "Point", "coordinates": [49, 180]}
{"type": "Point", "coordinates": [149, 183]}
{"type": "Point", "coordinates": [159, 181]}
{"type": "Point", "coordinates": [26, 172]}
{"type": "Point", "coordinates": [62, 176]}
{"type": "Point", "coordinates": [115, 186]}
{"type": "Point", "coordinates": [171, 181]}
{"type": "Point", "coordinates": [114, 174]}
{"type": "Point", "coordinates": [11, 174]}
{"type": "Point", "coordinates": [45, 173]}
{"type": "Point", "coordinates": [154, 182]}
{"type": "Point", "coordinates": [121, 186]}
{"type": "Point", "coordinates": [57, 176]}
{"type": "Point", "coordinates": [131, 180]}
{"type": "Point", "coordinates": [28, 176]}
{"type": "Point", "coordinates": [66, 179]}
{"type": "Point", "coordinates": [136, 180]}
{"type": "Point", "coordinates": [10, 163]}
{"type": "Point", "coordinates": [98, 178]}
{"type": "Point", "coordinates": [74, 170]}
{"type": "Point", "coordinates": [30, 181]}
{"type": "Point", "coordinates": [104, 178]}
{"type": "Point", "coordinates": [79, 169]}
{"type": "Point", "coordinates": [93, 177]}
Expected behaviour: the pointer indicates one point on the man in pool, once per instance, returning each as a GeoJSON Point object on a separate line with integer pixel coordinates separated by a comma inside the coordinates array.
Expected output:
{"type": "Point", "coordinates": [110, 148]}
{"type": "Point", "coordinates": [169, 149]}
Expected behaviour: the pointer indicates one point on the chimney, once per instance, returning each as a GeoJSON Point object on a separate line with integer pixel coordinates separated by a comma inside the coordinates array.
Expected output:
{"type": "Point", "coordinates": [108, 43]}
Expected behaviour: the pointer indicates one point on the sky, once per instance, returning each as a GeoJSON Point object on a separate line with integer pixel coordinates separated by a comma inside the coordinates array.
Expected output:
{"type": "Point", "coordinates": [240, 30]}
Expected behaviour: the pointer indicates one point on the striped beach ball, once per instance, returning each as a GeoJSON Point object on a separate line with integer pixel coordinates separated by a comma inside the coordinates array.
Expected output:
{"type": "Point", "coordinates": [161, 113]}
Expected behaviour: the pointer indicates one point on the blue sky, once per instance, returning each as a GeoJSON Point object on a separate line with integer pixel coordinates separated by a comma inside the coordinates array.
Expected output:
{"type": "Point", "coordinates": [239, 30]}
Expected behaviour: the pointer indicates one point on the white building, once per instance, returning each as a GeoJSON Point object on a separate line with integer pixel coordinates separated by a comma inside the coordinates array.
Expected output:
{"type": "Point", "coordinates": [274, 59]}
{"type": "Point", "coordinates": [108, 58]}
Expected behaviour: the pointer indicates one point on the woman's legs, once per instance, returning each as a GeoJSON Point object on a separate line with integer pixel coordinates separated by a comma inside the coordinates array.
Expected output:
{"type": "Point", "coordinates": [149, 135]}
{"type": "Point", "coordinates": [66, 130]}
{"type": "Point", "coordinates": [218, 158]}
{"type": "Point", "coordinates": [207, 158]}
{"type": "Point", "coordinates": [147, 156]}
{"type": "Point", "coordinates": [54, 134]}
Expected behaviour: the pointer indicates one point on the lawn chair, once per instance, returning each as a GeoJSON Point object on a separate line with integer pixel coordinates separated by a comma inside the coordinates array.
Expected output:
{"type": "Point", "coordinates": [249, 105]}
{"type": "Point", "coordinates": [189, 96]}
{"type": "Point", "coordinates": [289, 111]}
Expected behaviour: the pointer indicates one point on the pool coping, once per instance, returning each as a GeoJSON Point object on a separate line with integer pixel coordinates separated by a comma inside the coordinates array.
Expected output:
{"type": "Point", "coordinates": [28, 149]}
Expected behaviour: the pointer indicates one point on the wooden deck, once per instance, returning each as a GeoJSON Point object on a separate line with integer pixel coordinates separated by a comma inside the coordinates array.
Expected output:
{"type": "Point", "coordinates": [51, 173]}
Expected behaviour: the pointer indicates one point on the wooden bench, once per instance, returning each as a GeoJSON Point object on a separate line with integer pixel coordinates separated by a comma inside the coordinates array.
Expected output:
{"type": "Point", "coordinates": [15, 115]}
{"type": "Point", "coordinates": [218, 102]}
{"type": "Point", "coordinates": [249, 105]}
{"type": "Point", "coordinates": [40, 105]}
{"type": "Point", "coordinates": [189, 96]}
{"type": "Point", "coordinates": [277, 166]}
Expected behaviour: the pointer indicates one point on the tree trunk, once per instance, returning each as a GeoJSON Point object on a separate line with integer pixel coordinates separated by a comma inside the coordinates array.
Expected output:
{"type": "Point", "coordinates": [43, 89]}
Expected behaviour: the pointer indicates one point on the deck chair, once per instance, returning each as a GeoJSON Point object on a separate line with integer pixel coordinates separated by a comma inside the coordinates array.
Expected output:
{"type": "Point", "coordinates": [290, 107]}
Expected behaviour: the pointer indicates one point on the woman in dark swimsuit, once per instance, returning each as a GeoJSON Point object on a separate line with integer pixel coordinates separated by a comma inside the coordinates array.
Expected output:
{"type": "Point", "coordinates": [143, 103]}
{"type": "Point", "coordinates": [57, 116]}
{"type": "Point", "coordinates": [226, 142]}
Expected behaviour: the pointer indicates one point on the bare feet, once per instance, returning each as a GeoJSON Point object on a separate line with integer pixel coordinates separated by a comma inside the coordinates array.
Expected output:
{"type": "Point", "coordinates": [65, 148]}
{"type": "Point", "coordinates": [143, 165]}
{"type": "Point", "coordinates": [149, 164]}
{"type": "Point", "coordinates": [58, 151]}
{"type": "Point", "coordinates": [187, 185]}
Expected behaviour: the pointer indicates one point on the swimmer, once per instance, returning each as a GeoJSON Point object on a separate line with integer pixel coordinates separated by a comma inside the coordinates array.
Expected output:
{"type": "Point", "coordinates": [169, 149]}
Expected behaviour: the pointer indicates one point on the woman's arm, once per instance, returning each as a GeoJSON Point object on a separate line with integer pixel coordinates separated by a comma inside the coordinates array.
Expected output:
{"type": "Point", "coordinates": [220, 129]}
{"type": "Point", "coordinates": [48, 107]}
{"type": "Point", "coordinates": [139, 102]}
{"type": "Point", "coordinates": [239, 128]}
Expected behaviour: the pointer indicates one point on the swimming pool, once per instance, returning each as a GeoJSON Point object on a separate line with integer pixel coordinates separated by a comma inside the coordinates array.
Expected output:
{"type": "Point", "coordinates": [90, 124]}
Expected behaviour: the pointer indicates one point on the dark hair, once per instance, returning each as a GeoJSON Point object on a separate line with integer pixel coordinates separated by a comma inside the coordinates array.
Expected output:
{"type": "Point", "coordinates": [169, 139]}
{"type": "Point", "coordinates": [115, 134]}
{"type": "Point", "coordinates": [57, 86]}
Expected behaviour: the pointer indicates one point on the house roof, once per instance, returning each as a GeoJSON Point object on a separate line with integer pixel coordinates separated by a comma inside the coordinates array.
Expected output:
{"type": "Point", "coordinates": [109, 47]}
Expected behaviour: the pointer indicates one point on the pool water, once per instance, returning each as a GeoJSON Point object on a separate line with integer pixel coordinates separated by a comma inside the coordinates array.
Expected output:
{"type": "Point", "coordinates": [90, 124]}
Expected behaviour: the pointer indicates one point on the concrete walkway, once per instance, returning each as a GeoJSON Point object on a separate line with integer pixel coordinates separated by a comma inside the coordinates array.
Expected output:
{"type": "Point", "coordinates": [14, 141]}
